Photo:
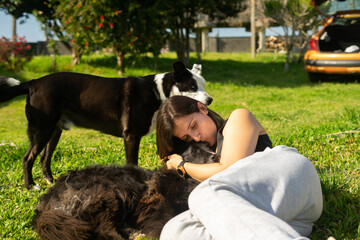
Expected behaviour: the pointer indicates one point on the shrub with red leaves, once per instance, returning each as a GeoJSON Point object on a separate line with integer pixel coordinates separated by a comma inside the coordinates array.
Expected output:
{"type": "Point", "coordinates": [14, 54]}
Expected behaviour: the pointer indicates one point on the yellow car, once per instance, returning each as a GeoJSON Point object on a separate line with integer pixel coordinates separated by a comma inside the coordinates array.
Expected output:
{"type": "Point", "coordinates": [335, 49]}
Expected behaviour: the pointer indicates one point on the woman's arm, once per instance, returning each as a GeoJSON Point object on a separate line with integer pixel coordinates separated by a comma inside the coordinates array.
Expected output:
{"type": "Point", "coordinates": [241, 134]}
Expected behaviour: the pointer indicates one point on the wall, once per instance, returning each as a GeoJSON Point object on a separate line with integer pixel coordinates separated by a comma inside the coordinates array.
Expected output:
{"type": "Point", "coordinates": [216, 44]}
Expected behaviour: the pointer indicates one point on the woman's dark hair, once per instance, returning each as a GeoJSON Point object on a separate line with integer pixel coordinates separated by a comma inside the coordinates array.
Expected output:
{"type": "Point", "coordinates": [174, 108]}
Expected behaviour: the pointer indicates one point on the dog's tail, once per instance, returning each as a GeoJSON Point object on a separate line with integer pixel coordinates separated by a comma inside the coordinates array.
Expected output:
{"type": "Point", "coordinates": [56, 224]}
{"type": "Point", "coordinates": [10, 88]}
{"type": "Point", "coordinates": [8, 82]}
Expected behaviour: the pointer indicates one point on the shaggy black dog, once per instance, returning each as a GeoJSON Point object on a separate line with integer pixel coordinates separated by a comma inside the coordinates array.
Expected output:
{"type": "Point", "coordinates": [111, 202]}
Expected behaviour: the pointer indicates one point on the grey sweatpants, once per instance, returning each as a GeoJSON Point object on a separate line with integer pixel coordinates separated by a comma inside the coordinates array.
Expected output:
{"type": "Point", "coordinates": [275, 194]}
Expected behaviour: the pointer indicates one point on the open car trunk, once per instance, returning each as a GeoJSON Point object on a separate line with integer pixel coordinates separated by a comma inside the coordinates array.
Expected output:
{"type": "Point", "coordinates": [341, 36]}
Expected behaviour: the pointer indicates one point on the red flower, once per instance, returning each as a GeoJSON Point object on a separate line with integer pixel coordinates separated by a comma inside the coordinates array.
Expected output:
{"type": "Point", "coordinates": [66, 22]}
{"type": "Point", "coordinates": [111, 25]}
{"type": "Point", "coordinates": [86, 45]}
{"type": "Point", "coordinates": [132, 44]}
{"type": "Point", "coordinates": [79, 5]}
{"type": "Point", "coordinates": [102, 17]}
{"type": "Point", "coordinates": [73, 40]}
{"type": "Point", "coordinates": [117, 12]}
{"type": "Point", "coordinates": [28, 47]}
{"type": "Point", "coordinates": [101, 25]}
{"type": "Point", "coordinates": [87, 27]}
{"type": "Point", "coordinates": [128, 34]}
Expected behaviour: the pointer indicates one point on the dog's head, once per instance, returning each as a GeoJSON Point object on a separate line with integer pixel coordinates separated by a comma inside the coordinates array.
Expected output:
{"type": "Point", "coordinates": [196, 152]}
{"type": "Point", "coordinates": [189, 83]}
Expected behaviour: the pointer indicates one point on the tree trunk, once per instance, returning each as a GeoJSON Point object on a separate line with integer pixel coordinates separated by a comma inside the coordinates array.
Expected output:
{"type": "Point", "coordinates": [13, 29]}
{"type": "Point", "coordinates": [120, 56]}
{"type": "Point", "coordinates": [180, 42]}
{"type": "Point", "coordinates": [76, 55]}
{"type": "Point", "coordinates": [187, 46]}
{"type": "Point", "coordinates": [286, 35]}
{"type": "Point", "coordinates": [198, 45]}
{"type": "Point", "coordinates": [253, 29]}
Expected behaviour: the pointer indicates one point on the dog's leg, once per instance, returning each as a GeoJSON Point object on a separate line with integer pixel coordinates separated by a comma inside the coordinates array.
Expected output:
{"type": "Point", "coordinates": [27, 164]}
{"type": "Point", "coordinates": [45, 158]}
{"type": "Point", "coordinates": [132, 144]}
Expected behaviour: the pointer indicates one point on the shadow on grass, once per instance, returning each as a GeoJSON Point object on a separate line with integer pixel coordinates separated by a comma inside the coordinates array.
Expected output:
{"type": "Point", "coordinates": [242, 73]}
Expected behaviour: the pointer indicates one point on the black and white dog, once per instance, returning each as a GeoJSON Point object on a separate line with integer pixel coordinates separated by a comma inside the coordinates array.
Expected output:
{"type": "Point", "coordinates": [122, 107]}
{"type": "Point", "coordinates": [111, 202]}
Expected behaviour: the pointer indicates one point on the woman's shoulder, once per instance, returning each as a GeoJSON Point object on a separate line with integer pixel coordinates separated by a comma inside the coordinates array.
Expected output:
{"type": "Point", "coordinates": [241, 118]}
{"type": "Point", "coordinates": [239, 114]}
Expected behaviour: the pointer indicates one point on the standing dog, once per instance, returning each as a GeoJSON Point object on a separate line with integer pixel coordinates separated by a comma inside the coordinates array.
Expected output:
{"type": "Point", "coordinates": [122, 107]}
{"type": "Point", "coordinates": [109, 202]}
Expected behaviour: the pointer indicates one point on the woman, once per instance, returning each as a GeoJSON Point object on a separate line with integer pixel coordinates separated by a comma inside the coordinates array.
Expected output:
{"type": "Point", "coordinates": [272, 194]}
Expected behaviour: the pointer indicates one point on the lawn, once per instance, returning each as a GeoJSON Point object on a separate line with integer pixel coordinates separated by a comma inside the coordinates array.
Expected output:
{"type": "Point", "coordinates": [321, 120]}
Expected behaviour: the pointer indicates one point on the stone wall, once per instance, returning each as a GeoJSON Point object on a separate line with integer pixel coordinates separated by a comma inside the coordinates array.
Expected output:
{"type": "Point", "coordinates": [215, 44]}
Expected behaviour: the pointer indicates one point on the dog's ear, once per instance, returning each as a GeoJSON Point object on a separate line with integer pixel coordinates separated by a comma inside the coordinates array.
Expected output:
{"type": "Point", "coordinates": [178, 67]}
{"type": "Point", "coordinates": [180, 71]}
{"type": "Point", "coordinates": [196, 69]}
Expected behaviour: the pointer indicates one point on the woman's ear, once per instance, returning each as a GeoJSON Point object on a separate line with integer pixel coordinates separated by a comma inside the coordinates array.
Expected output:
{"type": "Point", "coordinates": [202, 107]}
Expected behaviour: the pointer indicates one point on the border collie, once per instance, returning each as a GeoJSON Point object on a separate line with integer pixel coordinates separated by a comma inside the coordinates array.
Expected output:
{"type": "Point", "coordinates": [122, 107]}
{"type": "Point", "coordinates": [111, 202]}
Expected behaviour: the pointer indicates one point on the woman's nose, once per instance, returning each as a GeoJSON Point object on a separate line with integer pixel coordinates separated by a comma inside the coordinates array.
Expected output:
{"type": "Point", "coordinates": [196, 137]}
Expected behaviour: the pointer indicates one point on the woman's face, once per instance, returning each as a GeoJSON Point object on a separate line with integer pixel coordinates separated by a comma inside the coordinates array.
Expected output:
{"type": "Point", "coordinates": [196, 126]}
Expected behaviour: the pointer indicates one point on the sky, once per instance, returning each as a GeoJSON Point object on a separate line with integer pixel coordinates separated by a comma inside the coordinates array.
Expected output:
{"type": "Point", "coordinates": [31, 29]}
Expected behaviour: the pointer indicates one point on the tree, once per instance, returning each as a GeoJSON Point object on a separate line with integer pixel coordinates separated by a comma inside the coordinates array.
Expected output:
{"type": "Point", "coordinates": [182, 15]}
{"type": "Point", "coordinates": [132, 27]}
{"type": "Point", "coordinates": [294, 16]}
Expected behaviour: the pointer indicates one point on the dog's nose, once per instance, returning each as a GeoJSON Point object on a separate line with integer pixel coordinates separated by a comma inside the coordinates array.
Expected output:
{"type": "Point", "coordinates": [209, 101]}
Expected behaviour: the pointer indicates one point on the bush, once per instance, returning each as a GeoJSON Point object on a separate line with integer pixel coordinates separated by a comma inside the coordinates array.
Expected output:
{"type": "Point", "coordinates": [14, 54]}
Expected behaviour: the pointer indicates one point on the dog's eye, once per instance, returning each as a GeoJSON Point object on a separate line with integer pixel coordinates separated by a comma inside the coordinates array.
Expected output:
{"type": "Point", "coordinates": [193, 87]}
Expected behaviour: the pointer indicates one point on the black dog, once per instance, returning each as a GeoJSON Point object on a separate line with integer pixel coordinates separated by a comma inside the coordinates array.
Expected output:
{"type": "Point", "coordinates": [122, 107]}
{"type": "Point", "coordinates": [109, 202]}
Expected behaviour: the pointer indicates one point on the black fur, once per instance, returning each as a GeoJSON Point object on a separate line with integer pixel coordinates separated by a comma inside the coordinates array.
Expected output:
{"type": "Point", "coordinates": [122, 107]}
{"type": "Point", "coordinates": [109, 202]}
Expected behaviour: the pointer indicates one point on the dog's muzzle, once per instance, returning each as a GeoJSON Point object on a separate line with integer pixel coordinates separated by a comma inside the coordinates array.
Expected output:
{"type": "Point", "coordinates": [208, 101]}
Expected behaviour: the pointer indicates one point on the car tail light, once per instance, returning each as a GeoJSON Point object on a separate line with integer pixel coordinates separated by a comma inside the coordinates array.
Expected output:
{"type": "Point", "coordinates": [314, 44]}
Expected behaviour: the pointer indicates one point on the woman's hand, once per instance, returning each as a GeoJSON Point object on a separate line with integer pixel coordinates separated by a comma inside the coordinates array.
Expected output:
{"type": "Point", "coordinates": [174, 161]}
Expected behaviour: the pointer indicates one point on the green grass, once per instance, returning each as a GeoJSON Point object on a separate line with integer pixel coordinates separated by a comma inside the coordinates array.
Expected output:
{"type": "Point", "coordinates": [294, 111]}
